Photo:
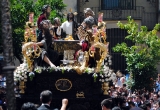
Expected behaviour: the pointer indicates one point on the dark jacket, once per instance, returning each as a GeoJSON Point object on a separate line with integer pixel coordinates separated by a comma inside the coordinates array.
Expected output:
{"type": "Point", "coordinates": [44, 107]}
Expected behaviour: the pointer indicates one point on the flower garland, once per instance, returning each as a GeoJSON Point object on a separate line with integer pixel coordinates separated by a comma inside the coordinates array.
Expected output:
{"type": "Point", "coordinates": [105, 75]}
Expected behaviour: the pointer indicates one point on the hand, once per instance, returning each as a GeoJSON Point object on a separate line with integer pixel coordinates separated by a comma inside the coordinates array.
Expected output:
{"type": "Point", "coordinates": [80, 44]}
{"type": "Point", "coordinates": [64, 101]}
{"type": "Point", "coordinates": [64, 104]}
{"type": "Point", "coordinates": [53, 66]}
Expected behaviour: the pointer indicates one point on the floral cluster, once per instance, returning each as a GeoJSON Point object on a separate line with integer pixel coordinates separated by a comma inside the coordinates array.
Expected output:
{"type": "Point", "coordinates": [21, 72]}
{"type": "Point", "coordinates": [39, 69]}
{"type": "Point", "coordinates": [107, 75]}
{"type": "Point", "coordinates": [108, 60]}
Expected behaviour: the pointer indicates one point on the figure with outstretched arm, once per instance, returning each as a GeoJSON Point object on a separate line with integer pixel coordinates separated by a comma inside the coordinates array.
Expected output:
{"type": "Point", "coordinates": [48, 55]}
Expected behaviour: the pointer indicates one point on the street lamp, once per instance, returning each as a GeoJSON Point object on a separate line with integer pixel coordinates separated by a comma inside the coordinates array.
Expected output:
{"type": "Point", "coordinates": [82, 2]}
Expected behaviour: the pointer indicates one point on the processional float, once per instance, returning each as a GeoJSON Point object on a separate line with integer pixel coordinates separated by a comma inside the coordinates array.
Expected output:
{"type": "Point", "coordinates": [98, 50]}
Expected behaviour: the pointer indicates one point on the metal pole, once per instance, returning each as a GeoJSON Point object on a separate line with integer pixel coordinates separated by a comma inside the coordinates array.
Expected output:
{"type": "Point", "coordinates": [8, 54]}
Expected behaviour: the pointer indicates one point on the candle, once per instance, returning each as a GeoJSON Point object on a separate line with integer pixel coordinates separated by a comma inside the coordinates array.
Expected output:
{"type": "Point", "coordinates": [100, 17]}
{"type": "Point", "coordinates": [31, 15]}
{"type": "Point", "coordinates": [94, 29]}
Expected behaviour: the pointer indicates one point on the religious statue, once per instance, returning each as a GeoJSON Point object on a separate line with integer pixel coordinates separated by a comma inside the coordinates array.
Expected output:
{"type": "Point", "coordinates": [70, 27]}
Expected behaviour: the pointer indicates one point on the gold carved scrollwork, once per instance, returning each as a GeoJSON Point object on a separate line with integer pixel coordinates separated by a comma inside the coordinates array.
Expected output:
{"type": "Point", "coordinates": [80, 95]}
{"type": "Point", "coordinates": [60, 46]}
{"type": "Point", "coordinates": [63, 84]}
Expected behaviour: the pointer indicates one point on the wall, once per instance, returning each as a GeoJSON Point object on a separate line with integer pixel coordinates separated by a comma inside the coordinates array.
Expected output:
{"type": "Point", "coordinates": [113, 23]}
{"type": "Point", "coordinates": [71, 4]}
{"type": "Point", "coordinates": [149, 7]}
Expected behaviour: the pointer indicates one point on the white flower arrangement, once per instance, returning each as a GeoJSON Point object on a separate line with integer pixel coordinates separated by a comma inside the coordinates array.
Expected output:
{"type": "Point", "coordinates": [20, 74]}
{"type": "Point", "coordinates": [105, 75]}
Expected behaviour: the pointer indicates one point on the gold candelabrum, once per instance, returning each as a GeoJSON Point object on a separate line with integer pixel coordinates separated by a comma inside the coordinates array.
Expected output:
{"type": "Point", "coordinates": [30, 49]}
{"type": "Point", "coordinates": [105, 88]}
{"type": "Point", "coordinates": [30, 33]}
{"type": "Point", "coordinates": [99, 47]}
{"type": "Point", "coordinates": [22, 86]}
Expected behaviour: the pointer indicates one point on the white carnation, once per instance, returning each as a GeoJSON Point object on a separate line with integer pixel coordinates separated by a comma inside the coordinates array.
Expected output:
{"type": "Point", "coordinates": [106, 79]}
{"type": "Point", "coordinates": [25, 76]}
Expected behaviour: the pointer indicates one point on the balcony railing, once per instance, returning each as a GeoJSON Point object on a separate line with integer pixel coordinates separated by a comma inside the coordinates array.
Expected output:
{"type": "Point", "coordinates": [147, 18]}
{"type": "Point", "coordinates": [114, 4]}
{"type": "Point", "coordinates": [119, 13]}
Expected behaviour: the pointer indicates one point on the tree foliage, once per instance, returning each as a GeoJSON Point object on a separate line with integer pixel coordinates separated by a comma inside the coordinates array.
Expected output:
{"type": "Point", "coordinates": [142, 57]}
{"type": "Point", "coordinates": [20, 10]}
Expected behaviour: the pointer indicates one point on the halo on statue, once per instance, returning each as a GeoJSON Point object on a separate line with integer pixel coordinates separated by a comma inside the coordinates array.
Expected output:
{"type": "Point", "coordinates": [70, 10]}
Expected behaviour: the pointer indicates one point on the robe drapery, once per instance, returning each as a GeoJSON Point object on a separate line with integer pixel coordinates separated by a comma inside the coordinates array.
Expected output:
{"type": "Point", "coordinates": [47, 49]}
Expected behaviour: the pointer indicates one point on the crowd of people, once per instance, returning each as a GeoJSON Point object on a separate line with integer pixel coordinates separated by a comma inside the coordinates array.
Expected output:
{"type": "Point", "coordinates": [120, 99]}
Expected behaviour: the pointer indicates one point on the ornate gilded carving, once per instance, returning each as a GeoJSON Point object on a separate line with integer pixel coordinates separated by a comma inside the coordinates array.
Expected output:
{"type": "Point", "coordinates": [30, 33]}
{"type": "Point", "coordinates": [99, 47]}
{"type": "Point", "coordinates": [60, 46]}
{"type": "Point", "coordinates": [105, 88]}
{"type": "Point", "coordinates": [80, 95]}
{"type": "Point", "coordinates": [22, 87]}
{"type": "Point", "coordinates": [63, 84]}
{"type": "Point", "coordinates": [30, 51]}
{"type": "Point", "coordinates": [84, 64]}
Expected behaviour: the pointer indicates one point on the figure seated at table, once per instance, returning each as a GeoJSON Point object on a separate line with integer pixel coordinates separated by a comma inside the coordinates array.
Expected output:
{"type": "Point", "coordinates": [48, 55]}
{"type": "Point", "coordinates": [55, 29]}
{"type": "Point", "coordinates": [85, 33]}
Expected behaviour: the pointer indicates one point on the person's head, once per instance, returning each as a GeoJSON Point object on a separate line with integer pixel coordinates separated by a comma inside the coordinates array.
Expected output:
{"type": "Point", "coordinates": [88, 22]}
{"type": "Point", "coordinates": [44, 25]}
{"type": "Point", "coordinates": [116, 108]}
{"type": "Point", "coordinates": [131, 104]}
{"type": "Point", "coordinates": [46, 96]}
{"type": "Point", "coordinates": [88, 12]}
{"type": "Point", "coordinates": [46, 9]}
{"type": "Point", "coordinates": [144, 107]}
{"type": "Point", "coordinates": [155, 97]}
{"type": "Point", "coordinates": [70, 16]}
{"type": "Point", "coordinates": [106, 104]}
{"type": "Point", "coordinates": [138, 98]}
{"type": "Point", "coordinates": [56, 21]}
{"type": "Point", "coordinates": [148, 105]}
{"type": "Point", "coordinates": [28, 106]}
{"type": "Point", "coordinates": [115, 94]}
{"type": "Point", "coordinates": [49, 23]}
{"type": "Point", "coordinates": [122, 79]}
{"type": "Point", "coordinates": [155, 105]}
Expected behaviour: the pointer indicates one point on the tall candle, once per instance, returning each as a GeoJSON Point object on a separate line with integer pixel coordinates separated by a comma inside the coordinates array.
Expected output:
{"type": "Point", "coordinates": [94, 29]}
{"type": "Point", "coordinates": [31, 15]}
{"type": "Point", "coordinates": [100, 17]}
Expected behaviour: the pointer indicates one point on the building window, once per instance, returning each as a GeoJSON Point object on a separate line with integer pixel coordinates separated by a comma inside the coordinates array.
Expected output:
{"type": "Point", "coordinates": [117, 4]}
